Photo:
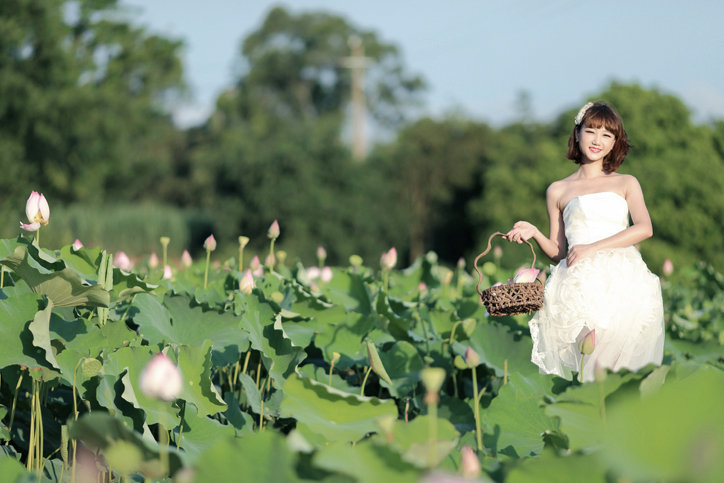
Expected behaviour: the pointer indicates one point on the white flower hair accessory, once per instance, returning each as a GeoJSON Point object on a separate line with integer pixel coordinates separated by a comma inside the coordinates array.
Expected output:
{"type": "Point", "coordinates": [581, 113]}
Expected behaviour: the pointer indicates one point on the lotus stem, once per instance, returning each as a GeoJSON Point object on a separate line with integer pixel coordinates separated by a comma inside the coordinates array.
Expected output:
{"type": "Point", "coordinates": [364, 381]}
{"type": "Point", "coordinates": [432, 399]}
{"type": "Point", "coordinates": [12, 411]}
{"type": "Point", "coordinates": [206, 270]}
{"type": "Point", "coordinates": [476, 410]}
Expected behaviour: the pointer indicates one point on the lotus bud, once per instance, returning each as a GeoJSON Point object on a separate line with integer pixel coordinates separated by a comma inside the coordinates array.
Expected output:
{"type": "Point", "coordinates": [161, 379]}
{"type": "Point", "coordinates": [247, 283]}
{"type": "Point", "coordinates": [356, 261]}
{"type": "Point", "coordinates": [588, 343]}
{"type": "Point", "coordinates": [326, 275]}
{"type": "Point", "coordinates": [165, 241]}
{"type": "Point", "coordinates": [167, 272]}
{"type": "Point", "coordinates": [243, 241]}
{"type": "Point", "coordinates": [526, 275]}
{"type": "Point", "coordinates": [668, 267]}
{"type": "Point", "coordinates": [153, 260]}
{"type": "Point", "coordinates": [472, 359]}
{"type": "Point", "coordinates": [432, 378]}
{"type": "Point", "coordinates": [497, 252]}
{"type": "Point", "coordinates": [461, 263]}
{"type": "Point", "coordinates": [335, 357]}
{"type": "Point", "coordinates": [186, 260]}
{"type": "Point", "coordinates": [313, 273]}
{"type": "Point", "coordinates": [77, 245]}
{"type": "Point", "coordinates": [321, 254]}
{"type": "Point", "coordinates": [270, 260]}
{"type": "Point", "coordinates": [422, 286]}
{"type": "Point", "coordinates": [281, 256]}
{"type": "Point", "coordinates": [37, 211]}
{"type": "Point", "coordinates": [469, 462]}
{"type": "Point", "coordinates": [122, 261]}
{"type": "Point", "coordinates": [273, 231]}
{"type": "Point", "coordinates": [389, 259]}
{"type": "Point", "coordinates": [255, 266]}
{"type": "Point", "coordinates": [210, 243]}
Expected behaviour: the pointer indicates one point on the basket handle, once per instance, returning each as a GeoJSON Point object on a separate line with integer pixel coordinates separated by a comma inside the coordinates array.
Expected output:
{"type": "Point", "coordinates": [490, 240]}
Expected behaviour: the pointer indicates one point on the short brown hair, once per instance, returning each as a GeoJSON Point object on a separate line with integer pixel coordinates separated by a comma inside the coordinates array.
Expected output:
{"type": "Point", "coordinates": [602, 115]}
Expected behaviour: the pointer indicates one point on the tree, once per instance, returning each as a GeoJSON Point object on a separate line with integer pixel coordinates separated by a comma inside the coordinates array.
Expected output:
{"type": "Point", "coordinates": [435, 169]}
{"type": "Point", "coordinates": [82, 95]}
{"type": "Point", "coordinates": [273, 148]}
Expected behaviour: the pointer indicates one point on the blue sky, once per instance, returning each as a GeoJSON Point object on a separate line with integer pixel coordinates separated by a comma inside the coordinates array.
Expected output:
{"type": "Point", "coordinates": [477, 56]}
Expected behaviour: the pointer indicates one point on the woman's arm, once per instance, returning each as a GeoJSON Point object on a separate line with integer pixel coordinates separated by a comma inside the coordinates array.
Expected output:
{"type": "Point", "coordinates": [553, 246]}
{"type": "Point", "coordinates": [640, 230]}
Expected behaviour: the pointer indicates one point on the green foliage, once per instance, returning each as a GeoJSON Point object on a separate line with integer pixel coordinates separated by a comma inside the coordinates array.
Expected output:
{"type": "Point", "coordinates": [259, 384]}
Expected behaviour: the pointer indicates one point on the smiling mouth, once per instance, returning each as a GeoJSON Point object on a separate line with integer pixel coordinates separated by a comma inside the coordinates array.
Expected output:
{"type": "Point", "coordinates": [595, 150]}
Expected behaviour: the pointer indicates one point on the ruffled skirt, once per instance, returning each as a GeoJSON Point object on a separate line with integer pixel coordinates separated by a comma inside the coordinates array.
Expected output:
{"type": "Point", "coordinates": [613, 292]}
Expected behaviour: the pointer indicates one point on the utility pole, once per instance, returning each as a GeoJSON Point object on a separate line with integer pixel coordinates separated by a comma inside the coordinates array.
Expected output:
{"type": "Point", "coordinates": [357, 63]}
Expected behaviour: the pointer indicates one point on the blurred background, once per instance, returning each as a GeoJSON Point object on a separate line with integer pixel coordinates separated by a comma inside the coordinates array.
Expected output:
{"type": "Point", "coordinates": [357, 125]}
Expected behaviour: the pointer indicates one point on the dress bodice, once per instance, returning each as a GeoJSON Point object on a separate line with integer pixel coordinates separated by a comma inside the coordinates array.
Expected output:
{"type": "Point", "coordinates": [594, 216]}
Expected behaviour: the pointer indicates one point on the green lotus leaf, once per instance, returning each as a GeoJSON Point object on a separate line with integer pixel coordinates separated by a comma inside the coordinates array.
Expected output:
{"type": "Point", "coordinates": [514, 422]}
{"type": "Point", "coordinates": [64, 286]}
{"type": "Point", "coordinates": [261, 456]}
{"type": "Point", "coordinates": [18, 343]}
{"type": "Point", "coordinates": [561, 469]}
{"type": "Point", "coordinates": [366, 463]}
{"type": "Point", "coordinates": [332, 414]}
{"type": "Point", "coordinates": [102, 431]}
{"type": "Point", "coordinates": [280, 356]}
{"type": "Point", "coordinates": [673, 434]}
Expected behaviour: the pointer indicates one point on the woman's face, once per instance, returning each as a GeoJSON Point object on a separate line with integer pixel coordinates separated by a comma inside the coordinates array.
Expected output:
{"type": "Point", "coordinates": [595, 142]}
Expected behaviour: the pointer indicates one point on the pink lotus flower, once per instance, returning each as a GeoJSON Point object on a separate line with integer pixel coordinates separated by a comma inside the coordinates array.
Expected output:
{"type": "Point", "coordinates": [326, 275]}
{"type": "Point", "coordinates": [186, 260]}
{"type": "Point", "coordinates": [255, 266]}
{"type": "Point", "coordinates": [210, 243]}
{"type": "Point", "coordinates": [270, 260]}
{"type": "Point", "coordinates": [122, 261]}
{"type": "Point", "coordinates": [469, 462]}
{"type": "Point", "coordinates": [161, 379]}
{"type": "Point", "coordinates": [668, 267]}
{"type": "Point", "coordinates": [77, 245]}
{"type": "Point", "coordinates": [472, 359]}
{"type": "Point", "coordinates": [526, 275]}
{"type": "Point", "coordinates": [273, 231]}
{"type": "Point", "coordinates": [389, 259]}
{"type": "Point", "coordinates": [37, 211]}
{"type": "Point", "coordinates": [153, 260]}
{"type": "Point", "coordinates": [588, 343]}
{"type": "Point", "coordinates": [246, 285]}
{"type": "Point", "coordinates": [313, 273]}
{"type": "Point", "coordinates": [167, 272]}
{"type": "Point", "coordinates": [321, 254]}
{"type": "Point", "coordinates": [422, 286]}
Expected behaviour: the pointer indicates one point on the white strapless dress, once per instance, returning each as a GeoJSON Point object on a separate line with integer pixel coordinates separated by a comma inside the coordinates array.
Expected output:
{"type": "Point", "coordinates": [613, 292]}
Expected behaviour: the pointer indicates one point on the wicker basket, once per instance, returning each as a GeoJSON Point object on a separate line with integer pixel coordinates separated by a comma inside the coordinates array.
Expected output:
{"type": "Point", "coordinates": [511, 298]}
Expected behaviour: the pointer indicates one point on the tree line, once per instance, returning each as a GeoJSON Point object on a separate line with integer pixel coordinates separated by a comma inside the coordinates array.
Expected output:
{"type": "Point", "coordinates": [84, 118]}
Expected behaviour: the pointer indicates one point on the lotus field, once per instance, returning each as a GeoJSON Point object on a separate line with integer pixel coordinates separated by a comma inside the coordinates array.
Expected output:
{"type": "Point", "coordinates": [228, 370]}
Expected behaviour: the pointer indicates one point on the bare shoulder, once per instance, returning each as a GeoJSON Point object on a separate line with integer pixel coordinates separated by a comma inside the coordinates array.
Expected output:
{"type": "Point", "coordinates": [628, 184]}
{"type": "Point", "coordinates": [555, 192]}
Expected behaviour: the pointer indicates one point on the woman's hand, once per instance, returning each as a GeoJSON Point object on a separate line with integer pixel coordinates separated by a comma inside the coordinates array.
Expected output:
{"type": "Point", "coordinates": [579, 252]}
{"type": "Point", "coordinates": [521, 232]}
